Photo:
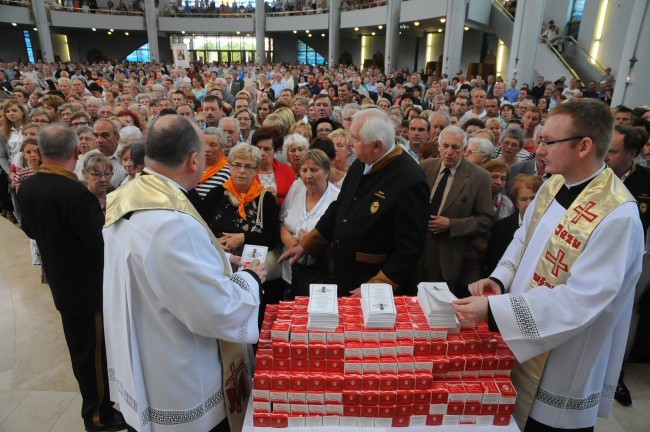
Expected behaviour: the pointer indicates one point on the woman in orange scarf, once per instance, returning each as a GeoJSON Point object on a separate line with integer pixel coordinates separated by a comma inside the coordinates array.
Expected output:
{"type": "Point", "coordinates": [217, 170]}
{"type": "Point", "coordinates": [232, 212]}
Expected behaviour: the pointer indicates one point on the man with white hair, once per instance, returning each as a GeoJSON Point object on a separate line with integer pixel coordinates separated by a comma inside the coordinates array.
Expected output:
{"type": "Point", "coordinates": [377, 224]}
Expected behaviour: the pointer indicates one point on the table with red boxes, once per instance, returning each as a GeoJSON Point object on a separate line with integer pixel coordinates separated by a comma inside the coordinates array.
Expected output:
{"type": "Point", "coordinates": [411, 375]}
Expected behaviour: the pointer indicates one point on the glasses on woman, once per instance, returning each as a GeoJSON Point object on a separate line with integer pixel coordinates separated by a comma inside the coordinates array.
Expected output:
{"type": "Point", "coordinates": [246, 167]}
{"type": "Point", "coordinates": [99, 175]}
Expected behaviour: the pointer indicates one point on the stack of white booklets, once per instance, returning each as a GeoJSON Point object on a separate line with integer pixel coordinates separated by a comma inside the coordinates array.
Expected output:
{"type": "Point", "coordinates": [435, 299]}
{"type": "Point", "coordinates": [378, 306]}
{"type": "Point", "coordinates": [323, 307]}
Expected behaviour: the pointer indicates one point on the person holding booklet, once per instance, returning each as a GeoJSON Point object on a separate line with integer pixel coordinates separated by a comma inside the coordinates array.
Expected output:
{"type": "Point", "coordinates": [563, 290]}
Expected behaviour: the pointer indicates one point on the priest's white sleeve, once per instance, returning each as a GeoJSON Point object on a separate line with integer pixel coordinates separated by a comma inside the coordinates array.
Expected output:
{"type": "Point", "coordinates": [186, 273]}
{"type": "Point", "coordinates": [601, 280]}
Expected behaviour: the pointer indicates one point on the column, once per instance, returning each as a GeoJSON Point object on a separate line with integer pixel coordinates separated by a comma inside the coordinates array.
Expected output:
{"type": "Point", "coordinates": [334, 43]}
{"type": "Point", "coordinates": [392, 35]}
{"type": "Point", "coordinates": [525, 40]}
{"type": "Point", "coordinates": [260, 31]}
{"type": "Point", "coordinates": [44, 36]}
{"type": "Point", "coordinates": [635, 90]}
{"type": "Point", "coordinates": [454, 28]}
{"type": "Point", "coordinates": [152, 29]}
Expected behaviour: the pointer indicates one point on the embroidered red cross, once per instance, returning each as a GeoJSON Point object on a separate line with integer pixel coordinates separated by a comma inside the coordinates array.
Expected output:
{"type": "Point", "coordinates": [557, 261]}
{"type": "Point", "coordinates": [583, 212]}
{"type": "Point", "coordinates": [237, 392]}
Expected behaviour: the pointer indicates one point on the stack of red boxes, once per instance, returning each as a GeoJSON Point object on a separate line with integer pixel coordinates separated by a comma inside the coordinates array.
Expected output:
{"type": "Point", "coordinates": [411, 375]}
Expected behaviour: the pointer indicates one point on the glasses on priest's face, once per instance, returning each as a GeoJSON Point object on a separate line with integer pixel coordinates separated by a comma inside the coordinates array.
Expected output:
{"type": "Point", "coordinates": [547, 142]}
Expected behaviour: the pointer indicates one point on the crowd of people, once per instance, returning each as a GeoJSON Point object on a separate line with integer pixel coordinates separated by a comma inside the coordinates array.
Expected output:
{"type": "Point", "coordinates": [347, 176]}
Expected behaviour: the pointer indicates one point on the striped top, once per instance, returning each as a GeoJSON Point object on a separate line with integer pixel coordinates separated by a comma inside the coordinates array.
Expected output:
{"type": "Point", "coordinates": [219, 178]}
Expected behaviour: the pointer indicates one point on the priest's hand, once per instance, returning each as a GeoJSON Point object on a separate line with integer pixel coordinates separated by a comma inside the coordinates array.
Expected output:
{"type": "Point", "coordinates": [257, 267]}
{"type": "Point", "coordinates": [355, 292]}
{"type": "Point", "coordinates": [438, 224]}
{"type": "Point", "coordinates": [484, 286]}
{"type": "Point", "coordinates": [474, 309]}
{"type": "Point", "coordinates": [292, 254]}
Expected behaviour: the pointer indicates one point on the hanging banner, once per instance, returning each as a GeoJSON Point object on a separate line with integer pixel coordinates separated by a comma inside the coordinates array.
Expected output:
{"type": "Point", "coordinates": [181, 55]}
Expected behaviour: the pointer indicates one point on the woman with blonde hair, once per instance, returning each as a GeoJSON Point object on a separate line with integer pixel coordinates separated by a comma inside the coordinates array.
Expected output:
{"type": "Point", "coordinates": [303, 129]}
{"type": "Point", "coordinates": [98, 172]}
{"type": "Point", "coordinates": [343, 149]}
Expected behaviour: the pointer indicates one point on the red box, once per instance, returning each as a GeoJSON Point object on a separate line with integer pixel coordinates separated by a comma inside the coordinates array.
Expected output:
{"type": "Point", "coordinates": [370, 398]}
{"type": "Point", "coordinates": [280, 331]}
{"type": "Point", "coordinates": [298, 382]}
{"type": "Point", "coordinates": [296, 397]}
{"type": "Point", "coordinates": [387, 411]}
{"type": "Point", "coordinates": [370, 335]}
{"type": "Point", "coordinates": [506, 363]}
{"type": "Point", "coordinates": [491, 398]}
{"type": "Point", "coordinates": [439, 393]}
{"type": "Point", "coordinates": [404, 410]}
{"type": "Point", "coordinates": [370, 382]}
{"type": "Point", "coordinates": [455, 408]}
{"type": "Point", "coordinates": [335, 366]}
{"type": "Point", "coordinates": [456, 366]}
{"type": "Point", "coordinates": [404, 347]}
{"type": "Point", "coordinates": [438, 348]}
{"type": "Point", "coordinates": [421, 409]}
{"type": "Point", "coordinates": [501, 420]}
{"type": "Point", "coordinates": [472, 342]}
{"type": "Point", "coordinates": [353, 350]}
{"type": "Point", "coordinates": [264, 406]}
{"type": "Point", "coordinates": [351, 397]}
{"type": "Point", "coordinates": [422, 396]}
{"type": "Point", "coordinates": [370, 349]}
{"type": "Point", "coordinates": [401, 421]}
{"type": "Point", "coordinates": [334, 409]}
{"type": "Point", "coordinates": [371, 365]}
{"type": "Point", "coordinates": [472, 408]}
{"type": "Point", "coordinates": [317, 351]}
{"type": "Point", "coordinates": [317, 366]}
{"type": "Point", "coordinates": [388, 364]}
{"type": "Point", "coordinates": [423, 364]}
{"type": "Point", "coordinates": [369, 411]}
{"type": "Point", "coordinates": [473, 392]}
{"type": "Point", "coordinates": [281, 365]}
{"type": "Point", "coordinates": [388, 381]}
{"type": "Point", "coordinates": [456, 391]}
{"type": "Point", "coordinates": [405, 397]}
{"type": "Point", "coordinates": [299, 350]}
{"type": "Point", "coordinates": [299, 333]}
{"type": "Point", "coordinates": [434, 420]}
{"type": "Point", "coordinates": [278, 396]}
{"type": "Point", "coordinates": [334, 383]}
{"type": "Point", "coordinates": [405, 381]}
{"type": "Point", "coordinates": [421, 329]}
{"type": "Point", "coordinates": [336, 351]}
{"type": "Point", "coordinates": [455, 345]}
{"type": "Point", "coordinates": [352, 410]}
{"type": "Point", "coordinates": [280, 382]}
{"type": "Point", "coordinates": [264, 361]}
{"type": "Point", "coordinates": [262, 381]}
{"type": "Point", "coordinates": [317, 382]}
{"type": "Point", "coordinates": [284, 408]}
{"type": "Point", "coordinates": [300, 365]}
{"type": "Point", "coordinates": [352, 382]}
{"type": "Point", "coordinates": [300, 320]}
{"type": "Point", "coordinates": [279, 420]}
{"type": "Point", "coordinates": [300, 301]}
{"type": "Point", "coordinates": [317, 336]}
{"type": "Point", "coordinates": [473, 364]}
{"type": "Point", "coordinates": [439, 334]}
{"type": "Point", "coordinates": [405, 364]}
{"type": "Point", "coordinates": [337, 336]}
{"type": "Point", "coordinates": [404, 331]}
{"type": "Point", "coordinates": [335, 398]}
{"type": "Point", "coordinates": [262, 419]}
{"type": "Point", "coordinates": [489, 365]}
{"type": "Point", "coordinates": [488, 344]}
{"type": "Point", "coordinates": [315, 397]}
{"type": "Point", "coordinates": [440, 366]}
{"type": "Point", "coordinates": [353, 365]}
{"type": "Point", "coordinates": [387, 397]}
{"type": "Point", "coordinates": [421, 348]}
{"type": "Point", "coordinates": [353, 332]}
{"type": "Point", "coordinates": [423, 381]}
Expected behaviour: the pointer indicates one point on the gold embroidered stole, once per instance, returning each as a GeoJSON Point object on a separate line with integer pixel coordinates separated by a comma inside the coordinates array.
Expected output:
{"type": "Point", "coordinates": [602, 195]}
{"type": "Point", "coordinates": [152, 192]}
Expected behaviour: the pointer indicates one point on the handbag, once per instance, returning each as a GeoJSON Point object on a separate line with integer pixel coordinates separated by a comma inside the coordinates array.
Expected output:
{"type": "Point", "coordinates": [273, 269]}
{"type": "Point", "coordinates": [309, 270]}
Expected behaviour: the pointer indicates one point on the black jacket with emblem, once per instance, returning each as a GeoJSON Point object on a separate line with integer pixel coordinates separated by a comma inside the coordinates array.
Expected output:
{"type": "Point", "coordinates": [377, 226]}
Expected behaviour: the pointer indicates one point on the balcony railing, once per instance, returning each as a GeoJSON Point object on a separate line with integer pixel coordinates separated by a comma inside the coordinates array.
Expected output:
{"type": "Point", "coordinates": [350, 5]}
{"type": "Point", "coordinates": [20, 3]}
{"type": "Point", "coordinates": [298, 12]}
{"type": "Point", "coordinates": [58, 8]}
{"type": "Point", "coordinates": [501, 4]}
{"type": "Point", "coordinates": [203, 14]}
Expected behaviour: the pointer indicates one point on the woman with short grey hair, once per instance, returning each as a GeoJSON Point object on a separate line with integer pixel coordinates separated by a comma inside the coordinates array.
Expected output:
{"type": "Point", "coordinates": [294, 147]}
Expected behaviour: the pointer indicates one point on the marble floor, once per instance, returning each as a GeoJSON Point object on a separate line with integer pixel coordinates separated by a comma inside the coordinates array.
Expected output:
{"type": "Point", "coordinates": [38, 392]}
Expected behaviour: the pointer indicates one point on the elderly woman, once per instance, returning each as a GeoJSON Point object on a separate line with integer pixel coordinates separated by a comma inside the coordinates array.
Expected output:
{"type": "Point", "coordinates": [130, 135]}
{"type": "Point", "coordinates": [343, 149]}
{"type": "Point", "coordinates": [241, 211]}
{"type": "Point", "coordinates": [305, 204]}
{"type": "Point", "coordinates": [98, 172]}
{"type": "Point", "coordinates": [246, 124]}
{"type": "Point", "coordinates": [131, 166]}
{"type": "Point", "coordinates": [275, 176]}
{"type": "Point", "coordinates": [479, 151]}
{"type": "Point", "coordinates": [217, 170]}
{"type": "Point", "coordinates": [501, 204]}
{"type": "Point", "coordinates": [512, 147]}
{"type": "Point", "coordinates": [523, 190]}
{"type": "Point", "coordinates": [295, 146]}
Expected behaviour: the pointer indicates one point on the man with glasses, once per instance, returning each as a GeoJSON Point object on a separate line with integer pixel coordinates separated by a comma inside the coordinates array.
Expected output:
{"type": "Point", "coordinates": [569, 276]}
{"type": "Point", "coordinates": [66, 221]}
{"type": "Point", "coordinates": [460, 207]}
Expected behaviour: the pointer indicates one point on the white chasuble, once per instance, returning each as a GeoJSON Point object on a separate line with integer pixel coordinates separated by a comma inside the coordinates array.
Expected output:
{"type": "Point", "coordinates": [168, 299]}
{"type": "Point", "coordinates": [582, 323]}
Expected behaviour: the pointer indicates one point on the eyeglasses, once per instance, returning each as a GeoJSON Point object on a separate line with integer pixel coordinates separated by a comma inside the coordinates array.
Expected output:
{"type": "Point", "coordinates": [43, 121]}
{"type": "Point", "coordinates": [82, 123]}
{"type": "Point", "coordinates": [246, 167]}
{"type": "Point", "coordinates": [102, 175]}
{"type": "Point", "coordinates": [548, 143]}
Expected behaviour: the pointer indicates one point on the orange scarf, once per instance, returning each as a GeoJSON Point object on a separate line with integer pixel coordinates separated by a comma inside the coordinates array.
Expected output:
{"type": "Point", "coordinates": [214, 169]}
{"type": "Point", "coordinates": [253, 192]}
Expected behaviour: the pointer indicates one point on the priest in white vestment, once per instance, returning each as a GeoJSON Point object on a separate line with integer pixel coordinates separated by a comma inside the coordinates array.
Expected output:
{"type": "Point", "coordinates": [569, 277]}
{"type": "Point", "coordinates": [172, 305]}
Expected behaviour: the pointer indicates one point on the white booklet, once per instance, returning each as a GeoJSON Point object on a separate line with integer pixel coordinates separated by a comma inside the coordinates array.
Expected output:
{"type": "Point", "coordinates": [252, 253]}
{"type": "Point", "coordinates": [323, 307]}
{"type": "Point", "coordinates": [378, 305]}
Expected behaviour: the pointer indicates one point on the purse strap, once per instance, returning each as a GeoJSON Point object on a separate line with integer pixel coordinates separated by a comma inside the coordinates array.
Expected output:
{"type": "Point", "coordinates": [260, 217]}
